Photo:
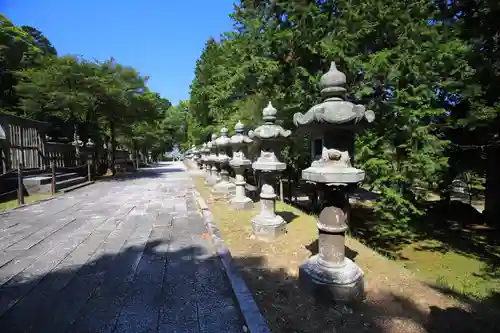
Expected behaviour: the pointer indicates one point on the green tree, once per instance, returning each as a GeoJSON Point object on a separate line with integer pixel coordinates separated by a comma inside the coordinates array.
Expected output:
{"type": "Point", "coordinates": [476, 115]}
{"type": "Point", "coordinates": [18, 50]}
{"type": "Point", "coordinates": [401, 60]}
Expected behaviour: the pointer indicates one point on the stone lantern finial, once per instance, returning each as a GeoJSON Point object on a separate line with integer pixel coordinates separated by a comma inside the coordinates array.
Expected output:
{"type": "Point", "coordinates": [333, 82]}
{"type": "Point", "coordinates": [239, 127]}
{"type": "Point", "coordinates": [269, 113]}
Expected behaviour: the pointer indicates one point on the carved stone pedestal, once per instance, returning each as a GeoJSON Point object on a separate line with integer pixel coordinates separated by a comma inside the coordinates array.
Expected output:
{"type": "Point", "coordinates": [267, 225]}
{"type": "Point", "coordinates": [240, 200]}
{"type": "Point", "coordinates": [206, 170]}
{"type": "Point", "coordinates": [224, 187]}
{"type": "Point", "coordinates": [341, 284]}
{"type": "Point", "coordinates": [211, 177]}
{"type": "Point", "coordinates": [240, 163]}
{"type": "Point", "coordinates": [329, 274]}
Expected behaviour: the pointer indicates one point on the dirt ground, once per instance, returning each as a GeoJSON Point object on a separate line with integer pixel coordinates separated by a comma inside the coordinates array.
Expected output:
{"type": "Point", "coordinates": [396, 300]}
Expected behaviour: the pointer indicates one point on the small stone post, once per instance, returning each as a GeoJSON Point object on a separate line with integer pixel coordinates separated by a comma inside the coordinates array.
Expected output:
{"type": "Point", "coordinates": [20, 185]}
{"type": "Point", "coordinates": [224, 187]}
{"type": "Point", "coordinates": [90, 145]}
{"type": "Point", "coordinates": [212, 157]}
{"type": "Point", "coordinates": [53, 174]}
{"type": "Point", "coordinates": [330, 274]}
{"type": "Point", "coordinates": [240, 163]}
{"type": "Point", "coordinates": [267, 225]}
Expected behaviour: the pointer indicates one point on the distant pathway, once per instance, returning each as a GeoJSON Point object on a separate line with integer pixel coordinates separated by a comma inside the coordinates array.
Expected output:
{"type": "Point", "coordinates": [128, 255]}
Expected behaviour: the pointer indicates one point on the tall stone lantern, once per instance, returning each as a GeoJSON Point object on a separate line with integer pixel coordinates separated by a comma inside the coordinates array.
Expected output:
{"type": "Point", "coordinates": [213, 177]}
{"type": "Point", "coordinates": [204, 154]}
{"type": "Point", "coordinates": [196, 155]}
{"type": "Point", "coordinates": [240, 163]}
{"type": "Point", "coordinates": [330, 273]}
{"type": "Point", "coordinates": [224, 186]}
{"type": "Point", "coordinates": [269, 136]}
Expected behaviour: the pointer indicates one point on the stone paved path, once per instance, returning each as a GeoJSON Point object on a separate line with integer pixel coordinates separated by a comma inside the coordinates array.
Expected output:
{"type": "Point", "coordinates": [129, 255]}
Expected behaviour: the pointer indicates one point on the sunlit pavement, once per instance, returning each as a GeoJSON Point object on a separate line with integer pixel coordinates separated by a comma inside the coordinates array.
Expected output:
{"type": "Point", "coordinates": [125, 255]}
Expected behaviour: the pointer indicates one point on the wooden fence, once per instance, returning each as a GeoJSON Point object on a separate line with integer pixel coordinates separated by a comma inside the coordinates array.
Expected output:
{"type": "Point", "coordinates": [23, 143]}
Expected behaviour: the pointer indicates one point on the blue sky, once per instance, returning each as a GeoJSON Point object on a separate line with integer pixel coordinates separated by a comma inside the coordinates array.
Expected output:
{"type": "Point", "coordinates": [160, 38]}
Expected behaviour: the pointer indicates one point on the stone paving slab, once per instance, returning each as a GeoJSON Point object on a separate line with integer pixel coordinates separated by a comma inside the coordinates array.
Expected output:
{"type": "Point", "coordinates": [125, 255]}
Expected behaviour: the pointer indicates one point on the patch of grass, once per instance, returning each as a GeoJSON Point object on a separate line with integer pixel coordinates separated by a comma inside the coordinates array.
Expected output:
{"type": "Point", "coordinates": [397, 301]}
{"type": "Point", "coordinates": [449, 247]}
{"type": "Point", "coordinates": [107, 175]}
{"type": "Point", "coordinates": [27, 199]}
{"type": "Point", "coordinates": [436, 262]}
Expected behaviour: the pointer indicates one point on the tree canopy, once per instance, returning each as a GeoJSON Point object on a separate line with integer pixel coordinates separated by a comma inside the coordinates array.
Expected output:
{"type": "Point", "coordinates": [428, 69]}
{"type": "Point", "coordinates": [105, 100]}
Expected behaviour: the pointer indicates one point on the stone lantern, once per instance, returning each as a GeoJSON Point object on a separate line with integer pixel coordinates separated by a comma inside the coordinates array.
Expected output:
{"type": "Point", "coordinates": [267, 225]}
{"type": "Point", "coordinates": [90, 145]}
{"type": "Point", "coordinates": [330, 273]}
{"type": "Point", "coordinates": [223, 143]}
{"type": "Point", "coordinates": [213, 177]}
{"type": "Point", "coordinates": [204, 154]}
{"type": "Point", "coordinates": [197, 157]}
{"type": "Point", "coordinates": [195, 153]}
{"type": "Point", "coordinates": [240, 163]}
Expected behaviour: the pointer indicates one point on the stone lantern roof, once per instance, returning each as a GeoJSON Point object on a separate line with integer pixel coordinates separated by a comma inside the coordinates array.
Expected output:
{"type": "Point", "coordinates": [329, 117]}
{"type": "Point", "coordinates": [334, 110]}
{"type": "Point", "coordinates": [269, 130]}
{"type": "Point", "coordinates": [269, 135]}
{"type": "Point", "coordinates": [223, 140]}
{"type": "Point", "coordinates": [222, 144]}
{"type": "Point", "coordinates": [240, 137]}
{"type": "Point", "coordinates": [239, 141]}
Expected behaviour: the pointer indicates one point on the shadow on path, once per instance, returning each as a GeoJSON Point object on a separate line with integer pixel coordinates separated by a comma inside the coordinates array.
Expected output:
{"type": "Point", "coordinates": [153, 289]}
{"type": "Point", "coordinates": [140, 289]}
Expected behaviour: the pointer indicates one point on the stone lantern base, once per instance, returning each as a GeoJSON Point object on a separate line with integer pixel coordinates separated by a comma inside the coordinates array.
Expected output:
{"type": "Point", "coordinates": [343, 283]}
{"type": "Point", "coordinates": [212, 176]}
{"type": "Point", "coordinates": [268, 228]}
{"type": "Point", "coordinates": [267, 225]}
{"type": "Point", "coordinates": [241, 203]}
{"type": "Point", "coordinates": [224, 188]}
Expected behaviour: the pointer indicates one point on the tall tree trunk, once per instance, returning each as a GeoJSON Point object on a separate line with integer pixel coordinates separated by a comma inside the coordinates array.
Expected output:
{"type": "Point", "coordinates": [448, 178]}
{"type": "Point", "coordinates": [113, 147]}
{"type": "Point", "coordinates": [492, 191]}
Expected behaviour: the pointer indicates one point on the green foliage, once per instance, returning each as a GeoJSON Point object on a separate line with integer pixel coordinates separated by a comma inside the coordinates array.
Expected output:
{"type": "Point", "coordinates": [406, 69]}
{"type": "Point", "coordinates": [105, 101]}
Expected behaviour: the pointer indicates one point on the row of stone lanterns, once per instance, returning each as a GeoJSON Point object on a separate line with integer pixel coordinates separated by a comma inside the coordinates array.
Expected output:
{"type": "Point", "coordinates": [329, 272]}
